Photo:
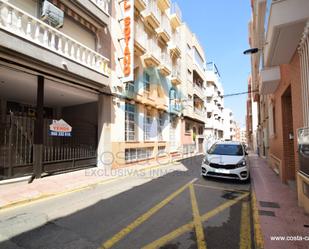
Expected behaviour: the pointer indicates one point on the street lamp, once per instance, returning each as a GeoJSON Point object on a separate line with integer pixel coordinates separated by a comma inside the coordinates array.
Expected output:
{"type": "Point", "coordinates": [252, 51]}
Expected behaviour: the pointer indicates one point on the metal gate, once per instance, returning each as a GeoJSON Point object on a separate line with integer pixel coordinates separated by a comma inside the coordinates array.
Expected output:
{"type": "Point", "coordinates": [59, 154]}
{"type": "Point", "coordinates": [16, 146]}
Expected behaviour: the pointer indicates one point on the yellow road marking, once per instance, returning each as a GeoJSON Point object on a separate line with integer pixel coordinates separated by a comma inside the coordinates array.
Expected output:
{"type": "Point", "coordinates": [122, 233]}
{"type": "Point", "coordinates": [245, 232]}
{"type": "Point", "coordinates": [200, 237]}
{"type": "Point", "coordinates": [258, 237]}
{"type": "Point", "coordinates": [189, 226]}
{"type": "Point", "coordinates": [221, 188]}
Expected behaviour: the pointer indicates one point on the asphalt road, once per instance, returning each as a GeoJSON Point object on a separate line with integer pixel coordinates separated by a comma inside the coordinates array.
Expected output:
{"type": "Point", "coordinates": [174, 208]}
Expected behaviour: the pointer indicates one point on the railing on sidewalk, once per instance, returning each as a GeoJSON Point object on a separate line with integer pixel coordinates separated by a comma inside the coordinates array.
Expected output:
{"type": "Point", "coordinates": [28, 27]}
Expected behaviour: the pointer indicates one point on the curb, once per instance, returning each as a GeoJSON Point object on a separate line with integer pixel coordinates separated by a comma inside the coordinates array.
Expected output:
{"type": "Point", "coordinates": [88, 186]}
{"type": "Point", "coordinates": [257, 231]}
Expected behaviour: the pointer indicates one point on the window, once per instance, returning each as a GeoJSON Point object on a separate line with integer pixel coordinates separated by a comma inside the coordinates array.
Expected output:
{"type": "Point", "coordinates": [187, 127]}
{"type": "Point", "coordinates": [161, 121]}
{"type": "Point", "coordinates": [136, 154]}
{"type": "Point", "coordinates": [146, 82]}
{"type": "Point", "coordinates": [130, 117]}
{"type": "Point", "coordinates": [147, 125]}
{"type": "Point", "coordinates": [161, 150]}
{"type": "Point", "coordinates": [200, 130]}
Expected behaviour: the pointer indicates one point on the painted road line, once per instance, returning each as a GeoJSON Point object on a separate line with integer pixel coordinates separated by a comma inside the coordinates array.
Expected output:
{"type": "Point", "coordinates": [221, 188]}
{"type": "Point", "coordinates": [245, 231]}
{"type": "Point", "coordinates": [200, 237]}
{"type": "Point", "coordinates": [189, 226]}
{"type": "Point", "coordinates": [258, 237]}
{"type": "Point", "coordinates": [122, 233]}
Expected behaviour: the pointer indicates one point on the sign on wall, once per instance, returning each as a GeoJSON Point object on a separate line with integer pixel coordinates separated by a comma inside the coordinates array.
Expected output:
{"type": "Point", "coordinates": [128, 34]}
{"type": "Point", "coordinates": [60, 128]}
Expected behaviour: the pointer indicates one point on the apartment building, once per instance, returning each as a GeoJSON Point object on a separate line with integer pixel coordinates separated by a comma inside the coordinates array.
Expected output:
{"type": "Point", "coordinates": [214, 128]}
{"type": "Point", "coordinates": [145, 117]}
{"type": "Point", "coordinates": [252, 119]}
{"type": "Point", "coordinates": [279, 73]}
{"type": "Point", "coordinates": [228, 121]}
{"type": "Point", "coordinates": [193, 90]}
{"type": "Point", "coordinates": [52, 83]}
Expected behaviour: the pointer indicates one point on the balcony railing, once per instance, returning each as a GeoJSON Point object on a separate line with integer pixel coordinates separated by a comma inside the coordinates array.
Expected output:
{"type": "Point", "coordinates": [165, 24]}
{"type": "Point", "coordinates": [102, 4]}
{"type": "Point", "coordinates": [140, 35]}
{"type": "Point", "coordinates": [153, 8]}
{"type": "Point", "coordinates": [199, 111]}
{"type": "Point", "coordinates": [153, 48]}
{"type": "Point", "coordinates": [176, 10]}
{"type": "Point", "coordinates": [166, 59]}
{"type": "Point", "coordinates": [20, 23]}
{"type": "Point", "coordinates": [176, 71]}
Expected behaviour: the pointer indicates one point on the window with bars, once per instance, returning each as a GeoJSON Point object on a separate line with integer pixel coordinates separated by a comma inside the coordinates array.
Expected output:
{"type": "Point", "coordinates": [136, 154]}
{"type": "Point", "coordinates": [147, 125]}
{"type": "Point", "coordinates": [130, 120]}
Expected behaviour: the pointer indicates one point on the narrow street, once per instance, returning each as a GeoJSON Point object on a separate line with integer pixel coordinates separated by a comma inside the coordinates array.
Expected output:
{"type": "Point", "coordinates": [179, 209]}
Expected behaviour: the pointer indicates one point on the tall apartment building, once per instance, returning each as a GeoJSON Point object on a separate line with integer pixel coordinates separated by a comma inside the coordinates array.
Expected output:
{"type": "Point", "coordinates": [54, 76]}
{"type": "Point", "coordinates": [280, 75]}
{"type": "Point", "coordinates": [162, 109]}
{"type": "Point", "coordinates": [214, 128]}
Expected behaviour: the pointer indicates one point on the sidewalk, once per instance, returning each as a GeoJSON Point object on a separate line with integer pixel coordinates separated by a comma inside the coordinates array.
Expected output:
{"type": "Point", "coordinates": [279, 214]}
{"type": "Point", "coordinates": [21, 192]}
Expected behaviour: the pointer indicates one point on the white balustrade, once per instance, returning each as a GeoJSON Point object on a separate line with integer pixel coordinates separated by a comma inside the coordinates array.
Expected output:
{"type": "Point", "coordinates": [140, 35]}
{"type": "Point", "coordinates": [165, 24]}
{"type": "Point", "coordinates": [102, 4]}
{"type": "Point", "coordinates": [154, 49]}
{"type": "Point", "coordinates": [22, 24]}
{"type": "Point", "coordinates": [152, 7]}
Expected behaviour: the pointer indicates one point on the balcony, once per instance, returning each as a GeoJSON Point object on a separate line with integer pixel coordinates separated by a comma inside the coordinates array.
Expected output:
{"type": "Point", "coordinates": [166, 63]}
{"type": "Point", "coordinates": [270, 79]}
{"type": "Point", "coordinates": [51, 45]}
{"type": "Point", "coordinates": [210, 91]}
{"type": "Point", "coordinates": [101, 4]}
{"type": "Point", "coordinates": [286, 23]}
{"type": "Point", "coordinates": [140, 40]}
{"type": "Point", "coordinates": [198, 90]}
{"type": "Point", "coordinates": [152, 56]}
{"type": "Point", "coordinates": [164, 31]}
{"type": "Point", "coordinates": [175, 16]}
{"type": "Point", "coordinates": [199, 114]}
{"type": "Point", "coordinates": [140, 5]}
{"type": "Point", "coordinates": [173, 46]}
{"type": "Point", "coordinates": [152, 15]}
{"type": "Point", "coordinates": [164, 4]}
{"type": "Point", "coordinates": [176, 75]}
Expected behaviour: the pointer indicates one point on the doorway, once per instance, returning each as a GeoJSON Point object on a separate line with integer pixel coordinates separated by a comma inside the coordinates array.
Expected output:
{"type": "Point", "coordinates": [288, 136]}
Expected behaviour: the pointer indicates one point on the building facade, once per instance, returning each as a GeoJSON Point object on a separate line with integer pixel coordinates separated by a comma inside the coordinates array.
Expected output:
{"type": "Point", "coordinates": [105, 83]}
{"type": "Point", "coordinates": [279, 74]}
{"type": "Point", "coordinates": [53, 82]}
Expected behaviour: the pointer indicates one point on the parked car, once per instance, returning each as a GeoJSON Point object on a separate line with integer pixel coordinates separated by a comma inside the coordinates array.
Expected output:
{"type": "Point", "coordinates": [226, 159]}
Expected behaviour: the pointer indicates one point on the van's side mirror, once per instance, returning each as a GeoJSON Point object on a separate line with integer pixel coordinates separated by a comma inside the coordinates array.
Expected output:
{"type": "Point", "coordinates": [246, 153]}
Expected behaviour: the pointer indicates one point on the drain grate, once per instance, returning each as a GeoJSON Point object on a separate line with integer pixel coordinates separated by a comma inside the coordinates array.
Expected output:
{"type": "Point", "coordinates": [267, 213]}
{"type": "Point", "coordinates": [269, 204]}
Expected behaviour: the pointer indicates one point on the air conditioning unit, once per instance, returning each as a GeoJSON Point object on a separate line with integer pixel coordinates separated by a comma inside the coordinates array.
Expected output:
{"type": "Point", "coordinates": [52, 15]}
